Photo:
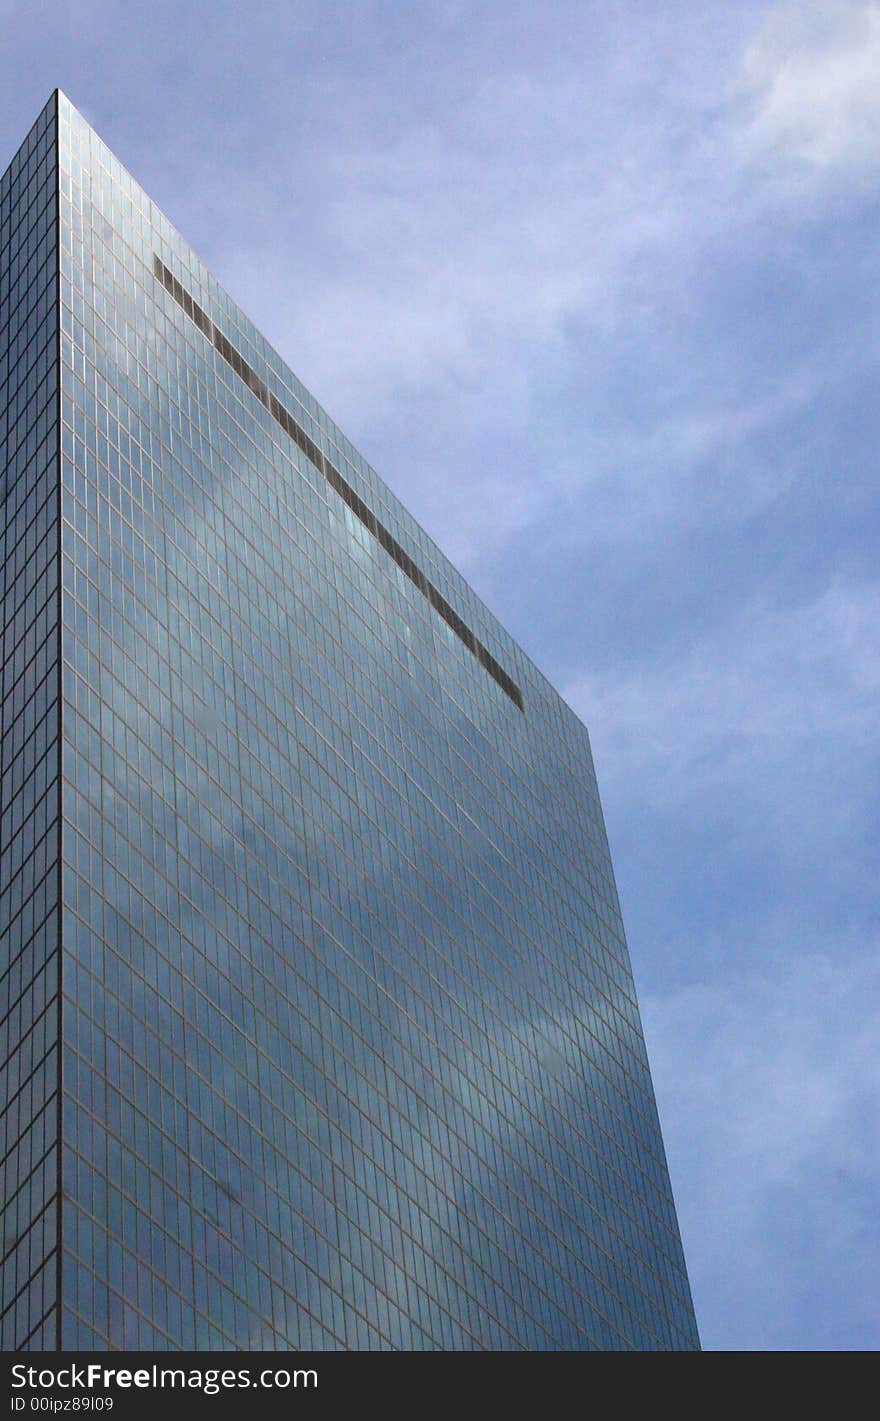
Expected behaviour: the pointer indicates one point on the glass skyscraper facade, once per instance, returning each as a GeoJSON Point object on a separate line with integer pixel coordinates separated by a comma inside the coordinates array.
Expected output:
{"type": "Point", "coordinates": [319, 1027]}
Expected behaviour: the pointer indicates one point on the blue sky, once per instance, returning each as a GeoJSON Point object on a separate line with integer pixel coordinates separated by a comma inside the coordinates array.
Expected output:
{"type": "Point", "coordinates": [595, 288]}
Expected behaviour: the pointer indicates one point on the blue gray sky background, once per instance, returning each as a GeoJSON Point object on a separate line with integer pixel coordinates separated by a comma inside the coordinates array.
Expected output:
{"type": "Point", "coordinates": [595, 287]}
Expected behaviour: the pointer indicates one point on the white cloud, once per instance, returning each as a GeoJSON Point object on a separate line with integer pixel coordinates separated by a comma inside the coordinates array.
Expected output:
{"type": "Point", "coordinates": [441, 252]}
{"type": "Point", "coordinates": [459, 256]}
{"type": "Point", "coordinates": [813, 73]}
{"type": "Point", "coordinates": [767, 1085]}
{"type": "Point", "coordinates": [771, 685]}
{"type": "Point", "coordinates": [698, 461]}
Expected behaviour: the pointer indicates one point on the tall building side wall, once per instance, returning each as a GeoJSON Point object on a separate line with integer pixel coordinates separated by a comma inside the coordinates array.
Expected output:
{"type": "Point", "coordinates": [29, 756]}
{"type": "Point", "coordinates": [352, 1051]}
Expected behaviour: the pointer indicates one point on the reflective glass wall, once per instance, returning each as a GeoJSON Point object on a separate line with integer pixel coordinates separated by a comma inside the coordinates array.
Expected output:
{"type": "Point", "coordinates": [352, 1056]}
{"type": "Point", "coordinates": [29, 750]}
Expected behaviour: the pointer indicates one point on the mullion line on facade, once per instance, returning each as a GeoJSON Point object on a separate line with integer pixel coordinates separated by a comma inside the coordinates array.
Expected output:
{"type": "Point", "coordinates": [374, 1203]}
{"type": "Point", "coordinates": [468, 1147]}
{"type": "Point", "coordinates": [325, 505]}
{"type": "Point", "coordinates": [19, 999]}
{"type": "Point", "coordinates": [491, 661]}
{"type": "Point", "coordinates": [34, 1221]}
{"type": "Point", "coordinates": [10, 1100]}
{"type": "Point", "coordinates": [23, 1345]}
{"type": "Point", "coordinates": [26, 1129]}
{"type": "Point", "coordinates": [427, 1003]}
{"type": "Point", "coordinates": [41, 1266]}
{"type": "Point", "coordinates": [280, 1109]}
{"type": "Point", "coordinates": [539, 928]}
{"type": "Point", "coordinates": [26, 1182]}
{"type": "Point", "coordinates": [222, 1232]}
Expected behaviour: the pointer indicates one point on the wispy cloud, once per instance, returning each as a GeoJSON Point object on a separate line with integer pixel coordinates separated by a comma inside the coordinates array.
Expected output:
{"type": "Point", "coordinates": [773, 1131]}
{"type": "Point", "coordinates": [813, 72]}
{"type": "Point", "coordinates": [773, 685]}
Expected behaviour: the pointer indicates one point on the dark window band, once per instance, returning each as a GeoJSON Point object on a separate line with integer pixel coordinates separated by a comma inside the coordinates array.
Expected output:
{"type": "Point", "coordinates": [348, 495]}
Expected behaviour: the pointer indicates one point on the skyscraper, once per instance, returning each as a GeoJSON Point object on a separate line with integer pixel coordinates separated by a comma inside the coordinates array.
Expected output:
{"type": "Point", "coordinates": [319, 1023]}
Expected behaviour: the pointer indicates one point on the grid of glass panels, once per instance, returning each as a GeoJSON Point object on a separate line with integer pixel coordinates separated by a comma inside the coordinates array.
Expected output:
{"type": "Point", "coordinates": [29, 758]}
{"type": "Point", "coordinates": [352, 1056]}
